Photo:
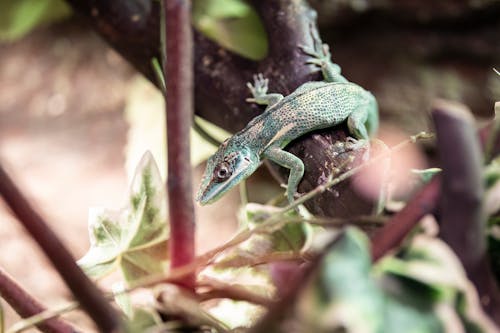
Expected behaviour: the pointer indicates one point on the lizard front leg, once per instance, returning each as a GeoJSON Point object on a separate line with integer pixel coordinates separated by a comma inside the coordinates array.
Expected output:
{"type": "Point", "coordinates": [259, 92]}
{"type": "Point", "coordinates": [289, 161]}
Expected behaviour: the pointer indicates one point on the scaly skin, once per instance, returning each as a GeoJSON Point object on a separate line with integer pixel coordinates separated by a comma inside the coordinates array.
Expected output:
{"type": "Point", "coordinates": [314, 105]}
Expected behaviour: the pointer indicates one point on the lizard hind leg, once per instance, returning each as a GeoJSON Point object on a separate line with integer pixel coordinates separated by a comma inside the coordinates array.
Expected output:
{"type": "Point", "coordinates": [358, 124]}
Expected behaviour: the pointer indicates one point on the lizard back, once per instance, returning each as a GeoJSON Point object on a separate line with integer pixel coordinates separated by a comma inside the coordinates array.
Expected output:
{"type": "Point", "coordinates": [314, 105]}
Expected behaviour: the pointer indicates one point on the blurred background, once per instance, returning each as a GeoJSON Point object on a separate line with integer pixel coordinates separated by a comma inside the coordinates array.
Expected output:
{"type": "Point", "coordinates": [71, 134]}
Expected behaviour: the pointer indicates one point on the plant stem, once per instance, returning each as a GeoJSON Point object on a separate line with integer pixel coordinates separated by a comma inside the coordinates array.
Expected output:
{"type": "Point", "coordinates": [179, 112]}
{"type": "Point", "coordinates": [395, 231]}
{"type": "Point", "coordinates": [82, 288]}
{"type": "Point", "coordinates": [26, 306]}
{"type": "Point", "coordinates": [355, 170]}
{"type": "Point", "coordinates": [463, 223]}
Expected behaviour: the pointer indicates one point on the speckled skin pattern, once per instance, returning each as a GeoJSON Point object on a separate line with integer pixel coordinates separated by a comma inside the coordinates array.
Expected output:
{"type": "Point", "coordinates": [307, 109]}
{"type": "Point", "coordinates": [312, 106]}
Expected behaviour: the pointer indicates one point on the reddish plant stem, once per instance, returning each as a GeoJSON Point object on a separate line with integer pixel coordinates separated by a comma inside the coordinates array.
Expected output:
{"type": "Point", "coordinates": [26, 306]}
{"type": "Point", "coordinates": [395, 231]}
{"type": "Point", "coordinates": [424, 202]}
{"type": "Point", "coordinates": [85, 292]}
{"type": "Point", "coordinates": [179, 95]}
{"type": "Point", "coordinates": [462, 220]}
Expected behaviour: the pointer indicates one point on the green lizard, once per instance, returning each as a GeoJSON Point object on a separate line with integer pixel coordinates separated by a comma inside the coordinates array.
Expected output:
{"type": "Point", "coordinates": [312, 106]}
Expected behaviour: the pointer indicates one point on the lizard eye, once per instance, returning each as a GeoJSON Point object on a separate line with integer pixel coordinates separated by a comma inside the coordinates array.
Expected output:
{"type": "Point", "coordinates": [223, 172]}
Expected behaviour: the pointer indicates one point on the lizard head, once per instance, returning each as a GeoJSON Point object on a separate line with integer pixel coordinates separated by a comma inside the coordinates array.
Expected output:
{"type": "Point", "coordinates": [225, 169]}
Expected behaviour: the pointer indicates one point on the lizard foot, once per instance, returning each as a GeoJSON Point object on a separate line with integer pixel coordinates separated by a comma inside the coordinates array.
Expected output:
{"type": "Point", "coordinates": [352, 144]}
{"type": "Point", "coordinates": [258, 89]}
{"type": "Point", "coordinates": [319, 55]}
{"type": "Point", "coordinates": [319, 52]}
{"type": "Point", "coordinates": [355, 144]}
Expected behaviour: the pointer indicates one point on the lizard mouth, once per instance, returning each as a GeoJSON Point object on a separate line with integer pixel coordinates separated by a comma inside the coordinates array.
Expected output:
{"type": "Point", "coordinates": [211, 193]}
{"type": "Point", "coordinates": [214, 190]}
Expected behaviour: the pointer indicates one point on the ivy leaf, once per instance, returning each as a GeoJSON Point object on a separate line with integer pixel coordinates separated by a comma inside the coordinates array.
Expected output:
{"type": "Point", "coordinates": [135, 237]}
{"type": "Point", "coordinates": [342, 292]}
{"type": "Point", "coordinates": [422, 289]}
{"type": "Point", "coordinates": [140, 318]}
{"type": "Point", "coordinates": [492, 173]}
{"type": "Point", "coordinates": [428, 272]}
{"type": "Point", "coordinates": [285, 238]}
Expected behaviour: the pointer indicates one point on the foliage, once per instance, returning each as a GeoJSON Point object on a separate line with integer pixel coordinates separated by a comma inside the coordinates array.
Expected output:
{"type": "Point", "coordinates": [18, 17]}
{"type": "Point", "coordinates": [134, 238]}
{"type": "Point", "coordinates": [233, 24]}
{"type": "Point", "coordinates": [423, 288]}
{"type": "Point", "coordinates": [492, 208]}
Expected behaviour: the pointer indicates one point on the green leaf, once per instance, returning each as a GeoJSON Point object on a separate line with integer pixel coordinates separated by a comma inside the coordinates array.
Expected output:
{"type": "Point", "coordinates": [144, 318]}
{"type": "Point", "coordinates": [233, 24]}
{"type": "Point", "coordinates": [18, 17]}
{"type": "Point", "coordinates": [492, 173]}
{"type": "Point", "coordinates": [140, 318]}
{"type": "Point", "coordinates": [342, 292]}
{"type": "Point", "coordinates": [236, 314]}
{"type": "Point", "coordinates": [428, 276]}
{"type": "Point", "coordinates": [134, 238]}
{"type": "Point", "coordinates": [287, 237]}
{"type": "Point", "coordinates": [426, 174]}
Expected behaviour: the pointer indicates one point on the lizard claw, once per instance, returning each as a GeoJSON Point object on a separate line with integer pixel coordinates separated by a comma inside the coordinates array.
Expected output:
{"type": "Point", "coordinates": [259, 87]}
{"type": "Point", "coordinates": [319, 52]}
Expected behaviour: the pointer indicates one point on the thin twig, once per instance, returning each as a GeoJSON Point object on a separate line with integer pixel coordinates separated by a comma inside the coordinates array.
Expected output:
{"type": "Point", "coordinates": [269, 224]}
{"type": "Point", "coordinates": [277, 312]}
{"type": "Point", "coordinates": [44, 316]}
{"type": "Point", "coordinates": [276, 219]}
{"type": "Point", "coordinates": [26, 305]}
{"type": "Point", "coordinates": [355, 170]}
{"type": "Point", "coordinates": [178, 67]}
{"type": "Point", "coordinates": [82, 288]}
{"type": "Point", "coordinates": [219, 289]}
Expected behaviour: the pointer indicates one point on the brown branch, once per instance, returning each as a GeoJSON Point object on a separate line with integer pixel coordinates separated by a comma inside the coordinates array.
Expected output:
{"type": "Point", "coordinates": [178, 67]}
{"type": "Point", "coordinates": [462, 221]}
{"type": "Point", "coordinates": [26, 306]}
{"type": "Point", "coordinates": [221, 77]}
{"type": "Point", "coordinates": [218, 289]}
{"type": "Point", "coordinates": [83, 289]}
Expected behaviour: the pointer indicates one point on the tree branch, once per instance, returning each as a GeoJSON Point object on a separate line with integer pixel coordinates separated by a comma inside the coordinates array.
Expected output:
{"type": "Point", "coordinates": [392, 234]}
{"type": "Point", "coordinates": [83, 289]}
{"type": "Point", "coordinates": [26, 306]}
{"type": "Point", "coordinates": [221, 77]}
